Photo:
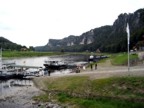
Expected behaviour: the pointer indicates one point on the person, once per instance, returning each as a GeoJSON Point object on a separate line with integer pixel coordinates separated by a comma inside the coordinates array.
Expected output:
{"type": "Point", "coordinates": [95, 66]}
{"type": "Point", "coordinates": [49, 72]}
{"type": "Point", "coordinates": [77, 69]}
{"type": "Point", "coordinates": [84, 68]}
{"type": "Point", "coordinates": [91, 65]}
{"type": "Point", "coordinates": [91, 58]}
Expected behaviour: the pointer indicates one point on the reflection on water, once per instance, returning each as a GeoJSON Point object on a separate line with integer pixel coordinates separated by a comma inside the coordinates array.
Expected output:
{"type": "Point", "coordinates": [39, 61]}
{"type": "Point", "coordinates": [9, 87]}
{"type": "Point", "coordinates": [32, 61]}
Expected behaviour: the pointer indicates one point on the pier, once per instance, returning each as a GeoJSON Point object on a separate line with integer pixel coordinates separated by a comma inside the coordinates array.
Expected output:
{"type": "Point", "coordinates": [13, 71]}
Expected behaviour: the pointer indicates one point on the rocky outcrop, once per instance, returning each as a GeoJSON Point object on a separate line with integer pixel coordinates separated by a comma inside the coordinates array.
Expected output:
{"type": "Point", "coordinates": [86, 38]}
{"type": "Point", "coordinates": [110, 38]}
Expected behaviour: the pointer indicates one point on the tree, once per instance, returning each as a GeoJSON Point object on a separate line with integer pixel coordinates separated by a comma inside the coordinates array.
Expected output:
{"type": "Point", "coordinates": [62, 50]}
{"type": "Point", "coordinates": [31, 48]}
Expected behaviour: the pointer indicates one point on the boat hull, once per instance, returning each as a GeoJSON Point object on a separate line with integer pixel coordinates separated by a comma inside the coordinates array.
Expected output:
{"type": "Point", "coordinates": [55, 67]}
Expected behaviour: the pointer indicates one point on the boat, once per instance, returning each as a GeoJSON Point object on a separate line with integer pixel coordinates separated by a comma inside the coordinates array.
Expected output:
{"type": "Point", "coordinates": [18, 75]}
{"type": "Point", "coordinates": [55, 65]}
{"type": "Point", "coordinates": [7, 72]}
{"type": "Point", "coordinates": [4, 75]}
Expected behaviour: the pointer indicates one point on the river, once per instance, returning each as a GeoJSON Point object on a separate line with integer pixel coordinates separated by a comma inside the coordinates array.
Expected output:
{"type": "Point", "coordinates": [39, 61]}
{"type": "Point", "coordinates": [18, 93]}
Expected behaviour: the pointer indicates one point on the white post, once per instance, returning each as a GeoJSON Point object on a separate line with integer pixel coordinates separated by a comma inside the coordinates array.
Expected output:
{"type": "Point", "coordinates": [128, 59]}
{"type": "Point", "coordinates": [1, 58]}
{"type": "Point", "coordinates": [128, 39]}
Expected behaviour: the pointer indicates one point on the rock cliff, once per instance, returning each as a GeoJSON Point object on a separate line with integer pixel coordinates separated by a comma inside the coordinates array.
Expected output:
{"type": "Point", "coordinates": [109, 38]}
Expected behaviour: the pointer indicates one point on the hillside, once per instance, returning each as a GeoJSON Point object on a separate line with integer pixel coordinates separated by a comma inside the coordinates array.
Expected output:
{"type": "Point", "coordinates": [5, 44]}
{"type": "Point", "coordinates": [109, 38]}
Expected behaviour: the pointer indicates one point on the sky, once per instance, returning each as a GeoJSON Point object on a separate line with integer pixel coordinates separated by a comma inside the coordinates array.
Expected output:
{"type": "Point", "coordinates": [34, 22]}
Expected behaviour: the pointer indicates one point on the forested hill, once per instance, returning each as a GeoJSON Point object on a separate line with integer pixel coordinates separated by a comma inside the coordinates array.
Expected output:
{"type": "Point", "coordinates": [5, 44]}
{"type": "Point", "coordinates": [110, 38]}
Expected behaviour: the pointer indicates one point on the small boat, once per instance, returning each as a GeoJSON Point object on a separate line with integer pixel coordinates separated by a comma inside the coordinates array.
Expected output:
{"type": "Point", "coordinates": [55, 65]}
{"type": "Point", "coordinates": [4, 75]}
{"type": "Point", "coordinates": [7, 72]}
{"type": "Point", "coordinates": [18, 76]}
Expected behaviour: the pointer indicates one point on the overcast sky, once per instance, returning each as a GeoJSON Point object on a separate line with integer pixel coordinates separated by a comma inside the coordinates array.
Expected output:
{"type": "Point", "coordinates": [34, 22]}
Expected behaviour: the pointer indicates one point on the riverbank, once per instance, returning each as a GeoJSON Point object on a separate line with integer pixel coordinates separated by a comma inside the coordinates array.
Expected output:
{"type": "Point", "coordinates": [115, 87]}
{"type": "Point", "coordinates": [74, 90]}
{"type": "Point", "coordinates": [18, 96]}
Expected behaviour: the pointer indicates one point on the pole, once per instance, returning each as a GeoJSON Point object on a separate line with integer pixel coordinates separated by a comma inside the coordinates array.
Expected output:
{"type": "Point", "coordinates": [128, 59]}
{"type": "Point", "coordinates": [128, 38]}
{"type": "Point", "coordinates": [1, 58]}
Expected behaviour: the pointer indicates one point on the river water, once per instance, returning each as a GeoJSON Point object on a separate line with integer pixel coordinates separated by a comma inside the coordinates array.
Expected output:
{"type": "Point", "coordinates": [18, 93]}
{"type": "Point", "coordinates": [32, 61]}
{"type": "Point", "coordinates": [39, 61]}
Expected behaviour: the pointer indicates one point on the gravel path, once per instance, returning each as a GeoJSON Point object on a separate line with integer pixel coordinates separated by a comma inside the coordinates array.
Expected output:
{"type": "Point", "coordinates": [104, 71]}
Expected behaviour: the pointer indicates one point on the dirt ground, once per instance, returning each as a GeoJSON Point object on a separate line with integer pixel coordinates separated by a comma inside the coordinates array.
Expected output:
{"type": "Point", "coordinates": [19, 97]}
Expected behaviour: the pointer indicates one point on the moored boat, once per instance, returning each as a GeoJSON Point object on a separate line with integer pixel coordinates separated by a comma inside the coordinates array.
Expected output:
{"type": "Point", "coordinates": [55, 65]}
{"type": "Point", "coordinates": [5, 75]}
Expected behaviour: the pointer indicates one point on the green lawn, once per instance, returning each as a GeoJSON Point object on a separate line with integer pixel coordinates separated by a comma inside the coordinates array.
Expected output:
{"type": "Point", "coordinates": [122, 58]}
{"type": "Point", "coordinates": [82, 92]}
{"type": "Point", "coordinates": [9, 54]}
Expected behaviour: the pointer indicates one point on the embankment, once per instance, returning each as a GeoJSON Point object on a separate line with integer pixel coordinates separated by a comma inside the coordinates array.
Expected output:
{"type": "Point", "coordinates": [89, 89]}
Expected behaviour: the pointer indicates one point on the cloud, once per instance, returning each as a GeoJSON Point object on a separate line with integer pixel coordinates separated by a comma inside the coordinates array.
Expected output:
{"type": "Point", "coordinates": [4, 26]}
{"type": "Point", "coordinates": [33, 22]}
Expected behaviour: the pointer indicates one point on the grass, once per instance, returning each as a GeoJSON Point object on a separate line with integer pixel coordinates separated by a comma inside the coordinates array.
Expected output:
{"type": "Point", "coordinates": [9, 54]}
{"type": "Point", "coordinates": [65, 83]}
{"type": "Point", "coordinates": [34, 53]}
{"type": "Point", "coordinates": [122, 58]}
{"type": "Point", "coordinates": [98, 103]}
{"type": "Point", "coordinates": [118, 59]}
{"type": "Point", "coordinates": [82, 92]}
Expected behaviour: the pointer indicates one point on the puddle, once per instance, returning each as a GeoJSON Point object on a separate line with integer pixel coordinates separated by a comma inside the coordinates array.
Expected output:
{"type": "Point", "coordinates": [17, 94]}
{"type": "Point", "coordinates": [8, 88]}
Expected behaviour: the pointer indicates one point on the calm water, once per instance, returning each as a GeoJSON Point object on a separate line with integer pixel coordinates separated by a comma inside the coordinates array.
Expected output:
{"type": "Point", "coordinates": [32, 61]}
{"type": "Point", "coordinates": [39, 61]}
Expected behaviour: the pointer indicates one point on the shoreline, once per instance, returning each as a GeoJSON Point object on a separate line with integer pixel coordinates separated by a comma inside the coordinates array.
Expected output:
{"type": "Point", "coordinates": [22, 97]}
